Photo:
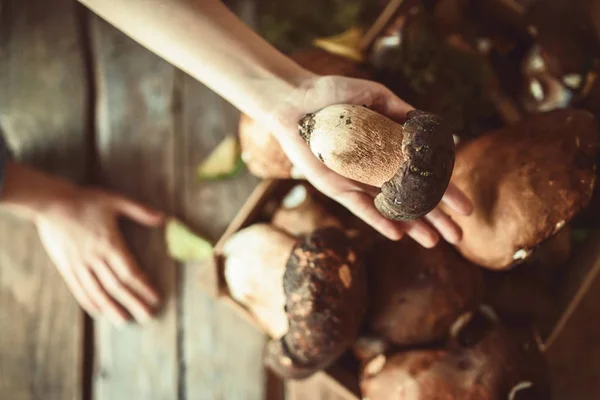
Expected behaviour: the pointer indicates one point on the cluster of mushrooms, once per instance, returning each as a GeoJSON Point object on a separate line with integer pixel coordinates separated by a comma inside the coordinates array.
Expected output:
{"type": "Point", "coordinates": [452, 322]}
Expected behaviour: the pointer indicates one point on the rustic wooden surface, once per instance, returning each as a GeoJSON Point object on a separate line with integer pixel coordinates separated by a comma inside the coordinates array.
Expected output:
{"type": "Point", "coordinates": [136, 156]}
{"type": "Point", "coordinates": [43, 112]}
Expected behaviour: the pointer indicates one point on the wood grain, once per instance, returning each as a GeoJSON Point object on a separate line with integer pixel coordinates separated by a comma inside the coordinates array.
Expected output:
{"type": "Point", "coordinates": [222, 352]}
{"type": "Point", "coordinates": [136, 156]}
{"type": "Point", "coordinates": [43, 94]}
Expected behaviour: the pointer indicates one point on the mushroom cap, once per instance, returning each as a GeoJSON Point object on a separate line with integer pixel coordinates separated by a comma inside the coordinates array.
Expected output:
{"type": "Point", "coordinates": [325, 291]}
{"type": "Point", "coordinates": [261, 152]}
{"type": "Point", "coordinates": [415, 293]}
{"type": "Point", "coordinates": [255, 261]}
{"type": "Point", "coordinates": [300, 213]}
{"type": "Point", "coordinates": [488, 363]}
{"type": "Point", "coordinates": [424, 175]}
{"type": "Point", "coordinates": [526, 182]}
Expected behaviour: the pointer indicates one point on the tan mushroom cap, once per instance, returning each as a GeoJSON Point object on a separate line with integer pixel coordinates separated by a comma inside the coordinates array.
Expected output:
{"type": "Point", "coordinates": [527, 182]}
{"type": "Point", "coordinates": [300, 213]}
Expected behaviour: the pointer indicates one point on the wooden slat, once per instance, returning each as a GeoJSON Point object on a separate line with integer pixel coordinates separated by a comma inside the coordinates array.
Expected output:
{"type": "Point", "coordinates": [222, 352]}
{"type": "Point", "coordinates": [43, 95]}
{"type": "Point", "coordinates": [136, 156]}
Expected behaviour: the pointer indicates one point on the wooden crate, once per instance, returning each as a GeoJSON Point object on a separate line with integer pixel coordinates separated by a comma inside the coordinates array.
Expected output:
{"type": "Point", "coordinates": [341, 378]}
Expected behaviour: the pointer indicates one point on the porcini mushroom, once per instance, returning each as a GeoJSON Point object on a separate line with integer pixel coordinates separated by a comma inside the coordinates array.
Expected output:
{"type": "Point", "coordinates": [411, 163]}
{"type": "Point", "coordinates": [526, 181]}
{"type": "Point", "coordinates": [300, 213]}
{"type": "Point", "coordinates": [261, 152]}
{"type": "Point", "coordinates": [309, 295]}
{"type": "Point", "coordinates": [485, 361]}
{"type": "Point", "coordinates": [417, 293]}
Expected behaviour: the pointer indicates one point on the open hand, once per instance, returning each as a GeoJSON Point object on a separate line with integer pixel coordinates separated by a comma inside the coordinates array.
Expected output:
{"type": "Point", "coordinates": [321, 91]}
{"type": "Point", "coordinates": [80, 233]}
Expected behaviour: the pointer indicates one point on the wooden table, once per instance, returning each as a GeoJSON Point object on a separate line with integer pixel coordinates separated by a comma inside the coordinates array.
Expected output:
{"type": "Point", "coordinates": [81, 100]}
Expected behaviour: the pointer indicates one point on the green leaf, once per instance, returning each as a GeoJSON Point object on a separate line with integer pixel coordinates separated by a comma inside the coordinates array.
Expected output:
{"type": "Point", "coordinates": [224, 162]}
{"type": "Point", "coordinates": [184, 245]}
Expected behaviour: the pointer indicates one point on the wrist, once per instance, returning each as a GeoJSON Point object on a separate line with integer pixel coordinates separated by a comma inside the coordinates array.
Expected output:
{"type": "Point", "coordinates": [32, 193]}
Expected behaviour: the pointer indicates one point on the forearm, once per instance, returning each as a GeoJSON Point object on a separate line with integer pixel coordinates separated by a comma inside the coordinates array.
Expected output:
{"type": "Point", "coordinates": [30, 192]}
{"type": "Point", "coordinates": [206, 40]}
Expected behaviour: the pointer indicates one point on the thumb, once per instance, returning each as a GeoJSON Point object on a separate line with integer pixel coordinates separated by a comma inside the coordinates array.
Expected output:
{"type": "Point", "coordinates": [137, 211]}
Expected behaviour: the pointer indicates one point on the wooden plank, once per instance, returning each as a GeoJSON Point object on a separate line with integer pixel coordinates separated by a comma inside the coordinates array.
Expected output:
{"type": "Point", "coordinates": [136, 156]}
{"type": "Point", "coordinates": [43, 94]}
{"type": "Point", "coordinates": [222, 352]}
{"type": "Point", "coordinates": [573, 352]}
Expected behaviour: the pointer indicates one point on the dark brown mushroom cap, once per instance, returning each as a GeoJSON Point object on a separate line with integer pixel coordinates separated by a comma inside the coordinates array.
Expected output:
{"type": "Point", "coordinates": [423, 177]}
{"type": "Point", "coordinates": [526, 182]}
{"type": "Point", "coordinates": [485, 363]}
{"type": "Point", "coordinates": [325, 291]}
{"type": "Point", "coordinates": [416, 294]}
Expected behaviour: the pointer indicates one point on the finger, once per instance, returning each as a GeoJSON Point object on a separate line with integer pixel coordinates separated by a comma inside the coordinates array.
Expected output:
{"type": "Point", "coordinates": [449, 230]}
{"type": "Point", "coordinates": [421, 232]}
{"type": "Point", "coordinates": [80, 295]}
{"type": "Point", "coordinates": [128, 272]}
{"type": "Point", "coordinates": [99, 296]}
{"type": "Point", "coordinates": [457, 200]}
{"type": "Point", "coordinates": [361, 205]}
{"type": "Point", "coordinates": [119, 291]}
{"type": "Point", "coordinates": [136, 211]}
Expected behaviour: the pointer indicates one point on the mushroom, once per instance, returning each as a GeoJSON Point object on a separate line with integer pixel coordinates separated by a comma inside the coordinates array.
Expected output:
{"type": "Point", "coordinates": [527, 181]}
{"type": "Point", "coordinates": [411, 163]}
{"type": "Point", "coordinates": [309, 295]}
{"type": "Point", "coordinates": [485, 361]}
{"type": "Point", "coordinates": [417, 293]}
{"type": "Point", "coordinates": [261, 152]}
{"type": "Point", "coordinates": [300, 213]}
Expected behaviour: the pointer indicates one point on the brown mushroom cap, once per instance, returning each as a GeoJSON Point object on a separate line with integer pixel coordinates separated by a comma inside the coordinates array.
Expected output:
{"type": "Point", "coordinates": [325, 293]}
{"type": "Point", "coordinates": [412, 163]}
{"type": "Point", "coordinates": [415, 293]}
{"type": "Point", "coordinates": [300, 213]}
{"type": "Point", "coordinates": [487, 363]}
{"type": "Point", "coordinates": [526, 181]}
{"type": "Point", "coordinates": [261, 152]}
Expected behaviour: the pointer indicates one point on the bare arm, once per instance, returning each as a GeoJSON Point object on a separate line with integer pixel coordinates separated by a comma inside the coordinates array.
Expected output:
{"type": "Point", "coordinates": [206, 40]}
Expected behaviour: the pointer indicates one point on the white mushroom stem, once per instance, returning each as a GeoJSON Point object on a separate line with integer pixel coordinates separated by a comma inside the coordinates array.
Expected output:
{"type": "Point", "coordinates": [357, 143]}
{"type": "Point", "coordinates": [459, 324]}
{"type": "Point", "coordinates": [255, 262]}
{"type": "Point", "coordinates": [518, 387]}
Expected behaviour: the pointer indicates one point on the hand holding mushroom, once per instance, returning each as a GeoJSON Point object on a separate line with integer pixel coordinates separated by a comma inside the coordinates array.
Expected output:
{"type": "Point", "coordinates": [321, 92]}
